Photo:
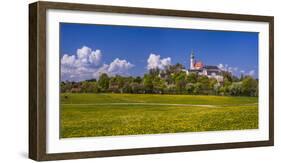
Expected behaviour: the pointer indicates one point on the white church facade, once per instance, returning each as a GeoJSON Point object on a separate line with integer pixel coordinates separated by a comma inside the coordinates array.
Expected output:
{"type": "Point", "coordinates": [207, 70]}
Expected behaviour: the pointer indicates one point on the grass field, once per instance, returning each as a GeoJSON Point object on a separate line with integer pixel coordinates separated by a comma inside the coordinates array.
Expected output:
{"type": "Point", "coordinates": [87, 115]}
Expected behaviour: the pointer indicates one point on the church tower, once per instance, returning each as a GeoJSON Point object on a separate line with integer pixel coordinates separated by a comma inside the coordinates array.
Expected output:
{"type": "Point", "coordinates": [192, 61]}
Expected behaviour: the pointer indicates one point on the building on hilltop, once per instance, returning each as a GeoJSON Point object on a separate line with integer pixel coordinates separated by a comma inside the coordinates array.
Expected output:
{"type": "Point", "coordinates": [199, 68]}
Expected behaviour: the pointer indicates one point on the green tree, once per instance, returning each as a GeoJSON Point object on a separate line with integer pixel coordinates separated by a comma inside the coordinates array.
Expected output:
{"type": "Point", "coordinates": [127, 88]}
{"type": "Point", "coordinates": [95, 88]}
{"type": "Point", "coordinates": [113, 85]}
{"type": "Point", "coordinates": [158, 85]}
{"type": "Point", "coordinates": [86, 87]}
{"type": "Point", "coordinates": [154, 72]}
{"type": "Point", "coordinates": [191, 78]}
{"type": "Point", "coordinates": [180, 81]}
{"type": "Point", "coordinates": [148, 83]}
{"type": "Point", "coordinates": [177, 68]}
{"type": "Point", "coordinates": [65, 87]}
{"type": "Point", "coordinates": [223, 90]}
{"type": "Point", "coordinates": [205, 84]}
{"type": "Point", "coordinates": [227, 76]}
{"type": "Point", "coordinates": [137, 87]}
{"type": "Point", "coordinates": [197, 88]}
{"type": "Point", "coordinates": [216, 89]}
{"type": "Point", "coordinates": [212, 84]}
{"type": "Point", "coordinates": [189, 88]}
{"type": "Point", "coordinates": [103, 82]}
{"type": "Point", "coordinates": [235, 89]}
{"type": "Point", "coordinates": [138, 79]}
{"type": "Point", "coordinates": [249, 86]}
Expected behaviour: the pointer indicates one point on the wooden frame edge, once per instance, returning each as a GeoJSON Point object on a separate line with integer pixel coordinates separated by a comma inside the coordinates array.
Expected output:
{"type": "Point", "coordinates": [271, 80]}
{"type": "Point", "coordinates": [37, 80]}
{"type": "Point", "coordinates": [33, 119]}
{"type": "Point", "coordinates": [155, 150]}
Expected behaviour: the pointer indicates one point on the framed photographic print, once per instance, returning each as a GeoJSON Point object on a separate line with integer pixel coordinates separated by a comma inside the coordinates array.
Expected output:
{"type": "Point", "coordinates": [112, 81]}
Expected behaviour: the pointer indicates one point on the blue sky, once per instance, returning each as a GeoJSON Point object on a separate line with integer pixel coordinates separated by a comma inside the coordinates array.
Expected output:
{"type": "Point", "coordinates": [132, 50]}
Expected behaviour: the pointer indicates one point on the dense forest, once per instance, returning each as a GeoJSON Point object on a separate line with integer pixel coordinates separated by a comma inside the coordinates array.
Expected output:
{"type": "Point", "coordinates": [171, 80]}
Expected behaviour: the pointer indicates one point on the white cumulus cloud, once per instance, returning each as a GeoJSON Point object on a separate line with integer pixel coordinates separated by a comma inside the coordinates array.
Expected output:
{"type": "Point", "coordinates": [68, 60]}
{"type": "Point", "coordinates": [119, 66]}
{"type": "Point", "coordinates": [220, 66]}
{"type": "Point", "coordinates": [235, 70]}
{"type": "Point", "coordinates": [87, 64]}
{"type": "Point", "coordinates": [95, 57]}
{"type": "Point", "coordinates": [155, 61]}
{"type": "Point", "coordinates": [116, 67]}
{"type": "Point", "coordinates": [225, 67]}
{"type": "Point", "coordinates": [251, 72]}
{"type": "Point", "coordinates": [86, 55]}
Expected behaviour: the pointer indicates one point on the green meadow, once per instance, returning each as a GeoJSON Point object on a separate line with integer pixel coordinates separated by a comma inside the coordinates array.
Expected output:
{"type": "Point", "coordinates": [89, 115]}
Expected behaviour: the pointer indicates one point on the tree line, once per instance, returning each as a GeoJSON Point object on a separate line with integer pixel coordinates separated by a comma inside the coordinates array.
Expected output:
{"type": "Point", "coordinates": [171, 80]}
